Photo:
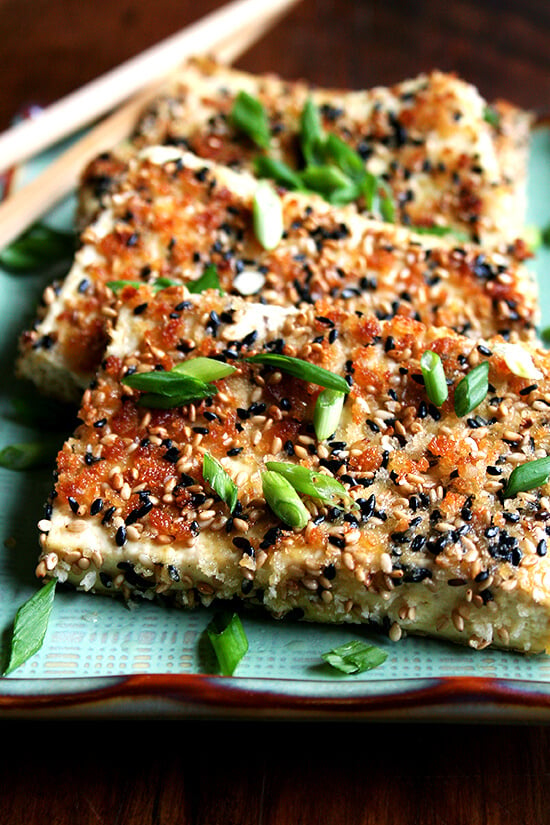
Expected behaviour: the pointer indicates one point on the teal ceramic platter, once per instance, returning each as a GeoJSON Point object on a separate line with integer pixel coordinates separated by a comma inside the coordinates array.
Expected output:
{"type": "Point", "coordinates": [101, 658]}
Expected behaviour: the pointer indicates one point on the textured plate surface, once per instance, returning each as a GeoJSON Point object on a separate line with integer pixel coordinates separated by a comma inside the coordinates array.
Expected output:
{"type": "Point", "coordinates": [101, 658]}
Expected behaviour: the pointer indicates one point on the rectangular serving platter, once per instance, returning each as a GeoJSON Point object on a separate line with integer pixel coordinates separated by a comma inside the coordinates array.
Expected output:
{"type": "Point", "coordinates": [101, 658]}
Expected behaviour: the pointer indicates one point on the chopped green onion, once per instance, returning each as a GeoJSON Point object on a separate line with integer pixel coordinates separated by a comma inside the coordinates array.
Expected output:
{"type": "Point", "coordinates": [157, 286]}
{"type": "Point", "coordinates": [228, 638]}
{"type": "Point", "coordinates": [545, 235]}
{"type": "Point", "coordinates": [29, 455]}
{"type": "Point", "coordinates": [30, 625]}
{"type": "Point", "coordinates": [355, 657]}
{"type": "Point", "coordinates": [347, 159]}
{"type": "Point", "coordinates": [328, 181]}
{"type": "Point", "coordinates": [39, 246]}
{"type": "Point", "coordinates": [220, 481]}
{"type": "Point", "coordinates": [491, 116]}
{"type": "Point", "coordinates": [386, 204]}
{"type": "Point", "coordinates": [327, 413]}
{"type": "Point", "coordinates": [205, 369]}
{"type": "Point", "coordinates": [323, 487]}
{"type": "Point", "coordinates": [249, 116]}
{"type": "Point", "coordinates": [284, 500]}
{"type": "Point", "coordinates": [167, 389]}
{"type": "Point", "coordinates": [472, 389]}
{"type": "Point", "coordinates": [208, 280]}
{"type": "Point", "coordinates": [302, 369]}
{"type": "Point", "coordinates": [518, 360]}
{"type": "Point", "coordinates": [312, 137]}
{"type": "Point", "coordinates": [434, 377]}
{"type": "Point", "coordinates": [279, 171]}
{"type": "Point", "coordinates": [532, 236]}
{"type": "Point", "coordinates": [527, 476]}
{"type": "Point", "coordinates": [267, 214]}
{"type": "Point", "coordinates": [545, 336]}
{"type": "Point", "coordinates": [440, 231]}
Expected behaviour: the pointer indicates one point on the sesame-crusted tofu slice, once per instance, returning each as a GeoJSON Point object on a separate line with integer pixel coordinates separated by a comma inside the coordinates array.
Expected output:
{"type": "Point", "coordinates": [169, 214]}
{"type": "Point", "coordinates": [423, 535]}
{"type": "Point", "coordinates": [449, 157]}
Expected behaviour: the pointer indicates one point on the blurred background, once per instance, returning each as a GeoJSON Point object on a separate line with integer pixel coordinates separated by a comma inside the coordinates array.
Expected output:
{"type": "Point", "coordinates": [51, 47]}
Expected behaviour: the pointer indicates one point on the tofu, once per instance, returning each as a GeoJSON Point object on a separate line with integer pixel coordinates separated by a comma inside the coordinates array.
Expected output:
{"type": "Point", "coordinates": [446, 161]}
{"type": "Point", "coordinates": [424, 539]}
{"type": "Point", "coordinates": [166, 213]}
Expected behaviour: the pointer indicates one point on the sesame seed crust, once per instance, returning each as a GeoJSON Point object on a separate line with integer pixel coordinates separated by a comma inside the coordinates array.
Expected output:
{"type": "Point", "coordinates": [174, 218]}
{"type": "Point", "coordinates": [428, 136]}
{"type": "Point", "coordinates": [428, 546]}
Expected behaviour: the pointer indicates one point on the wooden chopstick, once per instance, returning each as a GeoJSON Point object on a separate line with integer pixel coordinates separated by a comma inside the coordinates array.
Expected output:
{"type": "Point", "coordinates": [29, 203]}
{"type": "Point", "coordinates": [87, 104]}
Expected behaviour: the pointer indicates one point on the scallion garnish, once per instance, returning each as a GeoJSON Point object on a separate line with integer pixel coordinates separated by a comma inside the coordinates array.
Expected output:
{"type": "Point", "coordinates": [284, 500]}
{"type": "Point", "coordinates": [228, 638]}
{"type": "Point", "coordinates": [29, 455]}
{"type": "Point", "coordinates": [355, 657]}
{"type": "Point", "coordinates": [220, 481]}
{"type": "Point", "coordinates": [30, 625]}
{"type": "Point", "coordinates": [323, 487]}
{"type": "Point", "coordinates": [327, 413]}
{"type": "Point", "coordinates": [267, 215]}
{"type": "Point", "coordinates": [527, 476]}
{"type": "Point", "coordinates": [472, 389]}
{"type": "Point", "coordinates": [156, 286]}
{"type": "Point", "coordinates": [39, 246]}
{"type": "Point", "coordinates": [205, 369]}
{"type": "Point", "coordinates": [491, 116]}
{"type": "Point", "coordinates": [434, 377]}
{"type": "Point", "coordinates": [302, 369]}
{"type": "Point", "coordinates": [268, 167]}
{"type": "Point", "coordinates": [329, 181]}
{"type": "Point", "coordinates": [165, 389]}
{"type": "Point", "coordinates": [312, 137]}
{"type": "Point", "coordinates": [249, 116]}
{"type": "Point", "coordinates": [208, 280]}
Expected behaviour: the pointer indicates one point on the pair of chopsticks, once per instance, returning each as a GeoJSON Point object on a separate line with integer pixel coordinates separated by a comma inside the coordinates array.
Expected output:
{"type": "Point", "coordinates": [224, 34]}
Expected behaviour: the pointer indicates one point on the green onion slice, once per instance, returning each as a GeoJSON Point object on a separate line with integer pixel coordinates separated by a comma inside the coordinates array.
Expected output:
{"type": "Point", "coordinates": [302, 369]}
{"type": "Point", "coordinates": [328, 181]}
{"type": "Point", "coordinates": [157, 286]}
{"type": "Point", "coordinates": [208, 280]}
{"type": "Point", "coordinates": [434, 377]}
{"type": "Point", "coordinates": [30, 625]}
{"type": "Point", "coordinates": [267, 215]}
{"type": "Point", "coordinates": [249, 116]}
{"type": "Point", "coordinates": [29, 455]}
{"type": "Point", "coordinates": [268, 167]}
{"type": "Point", "coordinates": [527, 476]}
{"type": "Point", "coordinates": [39, 246]}
{"type": "Point", "coordinates": [472, 389]}
{"type": "Point", "coordinates": [220, 481]}
{"type": "Point", "coordinates": [167, 389]}
{"type": "Point", "coordinates": [205, 369]}
{"type": "Point", "coordinates": [355, 657]}
{"type": "Point", "coordinates": [284, 500]}
{"type": "Point", "coordinates": [228, 638]}
{"type": "Point", "coordinates": [347, 159]}
{"type": "Point", "coordinates": [491, 116]}
{"type": "Point", "coordinates": [327, 413]}
{"type": "Point", "coordinates": [323, 487]}
{"type": "Point", "coordinates": [312, 137]}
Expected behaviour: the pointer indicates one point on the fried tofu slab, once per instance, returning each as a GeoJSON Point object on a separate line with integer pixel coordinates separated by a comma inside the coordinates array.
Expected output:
{"type": "Point", "coordinates": [422, 537]}
{"type": "Point", "coordinates": [169, 214]}
{"type": "Point", "coordinates": [450, 158]}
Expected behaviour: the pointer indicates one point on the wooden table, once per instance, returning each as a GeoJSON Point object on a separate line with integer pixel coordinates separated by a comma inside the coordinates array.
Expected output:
{"type": "Point", "coordinates": [246, 772]}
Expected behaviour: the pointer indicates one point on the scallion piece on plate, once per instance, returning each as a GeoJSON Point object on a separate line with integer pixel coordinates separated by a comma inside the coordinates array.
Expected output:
{"type": "Point", "coordinates": [228, 638]}
{"type": "Point", "coordinates": [30, 625]}
{"type": "Point", "coordinates": [527, 476]}
{"type": "Point", "coordinates": [327, 413]}
{"type": "Point", "coordinates": [165, 389]}
{"type": "Point", "coordinates": [299, 368]}
{"type": "Point", "coordinates": [434, 377]}
{"type": "Point", "coordinates": [312, 137]}
{"type": "Point", "coordinates": [284, 500]}
{"type": "Point", "coordinates": [472, 389]}
{"type": "Point", "coordinates": [355, 657]}
{"type": "Point", "coordinates": [208, 280]}
{"type": "Point", "coordinates": [220, 480]}
{"type": "Point", "coordinates": [39, 246]}
{"type": "Point", "coordinates": [267, 215]}
{"type": "Point", "coordinates": [249, 116]}
{"type": "Point", "coordinates": [29, 455]}
{"type": "Point", "coordinates": [279, 171]}
{"type": "Point", "coordinates": [321, 486]}
{"type": "Point", "coordinates": [157, 286]}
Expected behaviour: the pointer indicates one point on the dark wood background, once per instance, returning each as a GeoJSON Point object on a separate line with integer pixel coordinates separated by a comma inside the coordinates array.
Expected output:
{"type": "Point", "coordinates": [210, 773]}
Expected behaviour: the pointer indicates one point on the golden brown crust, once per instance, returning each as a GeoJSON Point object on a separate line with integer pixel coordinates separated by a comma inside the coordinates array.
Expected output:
{"type": "Point", "coordinates": [174, 219]}
{"type": "Point", "coordinates": [430, 545]}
